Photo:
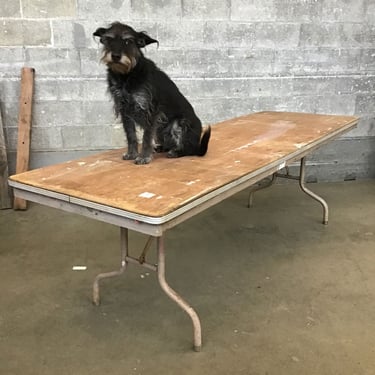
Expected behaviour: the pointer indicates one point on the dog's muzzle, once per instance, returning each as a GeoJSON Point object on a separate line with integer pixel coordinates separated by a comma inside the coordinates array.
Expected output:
{"type": "Point", "coordinates": [118, 63]}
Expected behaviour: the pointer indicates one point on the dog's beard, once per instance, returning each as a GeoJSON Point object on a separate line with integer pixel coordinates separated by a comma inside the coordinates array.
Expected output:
{"type": "Point", "coordinates": [124, 66]}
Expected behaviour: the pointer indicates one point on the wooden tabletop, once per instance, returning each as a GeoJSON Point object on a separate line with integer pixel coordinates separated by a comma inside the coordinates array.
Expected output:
{"type": "Point", "coordinates": [237, 147]}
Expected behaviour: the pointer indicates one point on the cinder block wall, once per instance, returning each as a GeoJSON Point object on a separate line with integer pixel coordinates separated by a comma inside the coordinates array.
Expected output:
{"type": "Point", "coordinates": [229, 57]}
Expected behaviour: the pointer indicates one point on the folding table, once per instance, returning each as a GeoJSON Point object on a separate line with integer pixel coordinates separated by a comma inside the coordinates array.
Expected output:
{"type": "Point", "coordinates": [155, 197]}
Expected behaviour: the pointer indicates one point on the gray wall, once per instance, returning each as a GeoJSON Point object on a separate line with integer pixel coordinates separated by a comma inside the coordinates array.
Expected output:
{"type": "Point", "coordinates": [229, 57]}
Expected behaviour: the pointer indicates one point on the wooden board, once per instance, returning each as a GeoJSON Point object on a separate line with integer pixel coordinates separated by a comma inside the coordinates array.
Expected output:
{"type": "Point", "coordinates": [5, 201]}
{"type": "Point", "coordinates": [24, 128]}
{"type": "Point", "coordinates": [237, 148]}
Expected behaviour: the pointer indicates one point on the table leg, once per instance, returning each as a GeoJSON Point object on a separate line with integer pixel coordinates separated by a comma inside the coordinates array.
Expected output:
{"type": "Point", "coordinates": [301, 180]}
{"type": "Point", "coordinates": [260, 187]}
{"type": "Point", "coordinates": [197, 331]}
{"type": "Point", "coordinates": [310, 193]}
{"type": "Point", "coordinates": [124, 254]}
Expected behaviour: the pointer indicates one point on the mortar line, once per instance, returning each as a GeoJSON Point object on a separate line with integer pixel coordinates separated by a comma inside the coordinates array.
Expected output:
{"type": "Point", "coordinates": [264, 78]}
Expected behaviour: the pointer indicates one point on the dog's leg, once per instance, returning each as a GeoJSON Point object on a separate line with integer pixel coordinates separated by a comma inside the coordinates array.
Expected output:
{"type": "Point", "coordinates": [176, 134]}
{"type": "Point", "coordinates": [145, 156]}
{"type": "Point", "coordinates": [131, 137]}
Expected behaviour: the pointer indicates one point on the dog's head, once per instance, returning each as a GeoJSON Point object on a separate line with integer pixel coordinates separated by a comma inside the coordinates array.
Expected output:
{"type": "Point", "coordinates": [121, 46]}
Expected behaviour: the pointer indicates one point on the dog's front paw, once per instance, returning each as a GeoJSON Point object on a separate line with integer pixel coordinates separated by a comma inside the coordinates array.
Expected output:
{"type": "Point", "coordinates": [172, 154]}
{"type": "Point", "coordinates": [159, 148]}
{"type": "Point", "coordinates": [130, 156]}
{"type": "Point", "coordinates": [143, 159]}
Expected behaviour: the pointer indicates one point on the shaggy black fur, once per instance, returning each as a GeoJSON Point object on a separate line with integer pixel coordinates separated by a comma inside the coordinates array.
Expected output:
{"type": "Point", "coordinates": [145, 96]}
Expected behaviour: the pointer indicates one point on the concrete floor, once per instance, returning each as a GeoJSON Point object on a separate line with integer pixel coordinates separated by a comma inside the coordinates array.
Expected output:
{"type": "Point", "coordinates": [277, 292]}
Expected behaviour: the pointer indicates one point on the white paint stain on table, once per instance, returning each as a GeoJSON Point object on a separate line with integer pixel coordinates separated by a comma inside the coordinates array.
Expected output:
{"type": "Point", "coordinates": [277, 129]}
{"type": "Point", "coordinates": [192, 182]}
{"type": "Point", "coordinates": [146, 194]}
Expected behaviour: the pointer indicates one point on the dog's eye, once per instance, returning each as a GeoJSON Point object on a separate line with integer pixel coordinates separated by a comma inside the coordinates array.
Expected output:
{"type": "Point", "coordinates": [106, 39]}
{"type": "Point", "coordinates": [128, 41]}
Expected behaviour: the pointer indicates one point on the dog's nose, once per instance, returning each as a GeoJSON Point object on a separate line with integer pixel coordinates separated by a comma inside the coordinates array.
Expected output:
{"type": "Point", "coordinates": [116, 57]}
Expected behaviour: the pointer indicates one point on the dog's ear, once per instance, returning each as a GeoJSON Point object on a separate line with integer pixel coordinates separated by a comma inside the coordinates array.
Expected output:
{"type": "Point", "coordinates": [143, 40]}
{"type": "Point", "coordinates": [99, 32]}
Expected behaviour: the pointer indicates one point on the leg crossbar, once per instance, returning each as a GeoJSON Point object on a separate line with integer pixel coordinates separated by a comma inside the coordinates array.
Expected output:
{"type": "Point", "coordinates": [301, 179]}
{"type": "Point", "coordinates": [160, 269]}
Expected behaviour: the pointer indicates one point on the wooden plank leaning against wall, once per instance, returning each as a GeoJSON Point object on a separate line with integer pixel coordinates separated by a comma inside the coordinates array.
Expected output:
{"type": "Point", "coordinates": [24, 128]}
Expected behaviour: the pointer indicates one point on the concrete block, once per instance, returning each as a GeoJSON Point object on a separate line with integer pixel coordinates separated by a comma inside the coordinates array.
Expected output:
{"type": "Point", "coordinates": [58, 89]}
{"type": "Point", "coordinates": [48, 8]}
{"type": "Point", "coordinates": [46, 138]}
{"type": "Point", "coordinates": [177, 33]}
{"type": "Point", "coordinates": [206, 9]}
{"type": "Point", "coordinates": [98, 113]}
{"type": "Point", "coordinates": [257, 10]}
{"type": "Point", "coordinates": [316, 60]}
{"type": "Point", "coordinates": [95, 90]}
{"type": "Point", "coordinates": [62, 31]}
{"type": "Point", "coordinates": [54, 62]}
{"type": "Point", "coordinates": [276, 35]}
{"type": "Point", "coordinates": [367, 60]}
{"type": "Point", "coordinates": [276, 10]}
{"type": "Point", "coordinates": [105, 11]}
{"type": "Point", "coordinates": [90, 64]}
{"type": "Point", "coordinates": [68, 89]}
{"type": "Point", "coordinates": [189, 63]}
{"type": "Point", "coordinates": [340, 160]}
{"type": "Point", "coordinates": [58, 113]}
{"type": "Point", "coordinates": [231, 62]}
{"type": "Point", "coordinates": [9, 90]}
{"type": "Point", "coordinates": [11, 138]}
{"type": "Point", "coordinates": [41, 138]}
{"type": "Point", "coordinates": [11, 61]}
{"type": "Point", "coordinates": [75, 33]}
{"type": "Point", "coordinates": [370, 12]}
{"type": "Point", "coordinates": [25, 32]}
{"type": "Point", "coordinates": [365, 104]}
{"type": "Point", "coordinates": [213, 110]}
{"type": "Point", "coordinates": [294, 103]}
{"type": "Point", "coordinates": [298, 11]}
{"type": "Point", "coordinates": [236, 88]}
{"type": "Point", "coordinates": [337, 35]}
{"type": "Point", "coordinates": [336, 104]}
{"type": "Point", "coordinates": [118, 138]}
{"type": "Point", "coordinates": [343, 10]}
{"type": "Point", "coordinates": [156, 9]}
{"type": "Point", "coordinates": [354, 84]}
{"type": "Point", "coordinates": [366, 36]}
{"type": "Point", "coordinates": [250, 63]}
{"type": "Point", "coordinates": [224, 34]}
{"type": "Point", "coordinates": [10, 9]}
{"type": "Point", "coordinates": [9, 113]}
{"type": "Point", "coordinates": [312, 85]}
{"type": "Point", "coordinates": [365, 128]}
{"type": "Point", "coordinates": [86, 137]}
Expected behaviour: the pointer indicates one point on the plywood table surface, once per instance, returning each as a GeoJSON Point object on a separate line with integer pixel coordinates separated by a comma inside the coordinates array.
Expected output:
{"type": "Point", "coordinates": [237, 148]}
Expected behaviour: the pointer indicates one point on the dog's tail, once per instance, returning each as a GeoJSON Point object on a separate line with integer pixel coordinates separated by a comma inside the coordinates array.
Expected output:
{"type": "Point", "coordinates": [203, 146]}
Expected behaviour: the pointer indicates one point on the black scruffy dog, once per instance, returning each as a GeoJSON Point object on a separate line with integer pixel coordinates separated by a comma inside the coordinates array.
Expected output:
{"type": "Point", "coordinates": [146, 96]}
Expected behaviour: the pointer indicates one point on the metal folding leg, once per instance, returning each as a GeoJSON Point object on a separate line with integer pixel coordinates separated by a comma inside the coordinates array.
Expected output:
{"type": "Point", "coordinates": [310, 193]}
{"type": "Point", "coordinates": [160, 268]}
{"type": "Point", "coordinates": [124, 254]}
{"type": "Point", "coordinates": [259, 187]}
{"type": "Point", "coordinates": [197, 331]}
{"type": "Point", "coordinates": [125, 260]}
{"type": "Point", "coordinates": [301, 180]}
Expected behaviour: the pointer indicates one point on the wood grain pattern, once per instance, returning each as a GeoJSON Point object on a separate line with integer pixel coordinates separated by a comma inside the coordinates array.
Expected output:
{"type": "Point", "coordinates": [24, 128]}
{"type": "Point", "coordinates": [237, 147]}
